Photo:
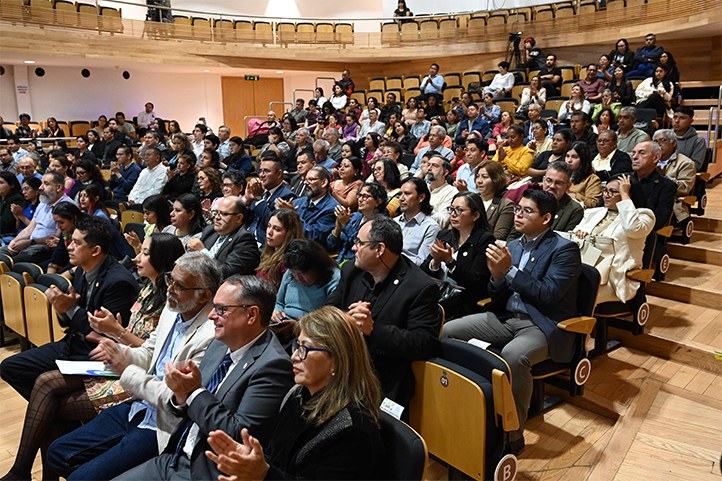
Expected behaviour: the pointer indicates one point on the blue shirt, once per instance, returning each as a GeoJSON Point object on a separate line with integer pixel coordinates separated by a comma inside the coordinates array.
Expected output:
{"type": "Point", "coordinates": [344, 242]}
{"type": "Point", "coordinates": [21, 178]}
{"type": "Point", "coordinates": [318, 217]}
{"type": "Point", "coordinates": [169, 349]}
{"type": "Point", "coordinates": [122, 187]}
{"type": "Point", "coordinates": [295, 299]}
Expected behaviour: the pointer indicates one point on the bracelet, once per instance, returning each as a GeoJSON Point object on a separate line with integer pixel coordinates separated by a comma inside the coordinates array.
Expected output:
{"type": "Point", "coordinates": [120, 336]}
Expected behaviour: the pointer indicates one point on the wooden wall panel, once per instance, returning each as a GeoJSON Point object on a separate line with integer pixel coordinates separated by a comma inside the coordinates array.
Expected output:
{"type": "Point", "coordinates": [267, 90]}
{"type": "Point", "coordinates": [237, 102]}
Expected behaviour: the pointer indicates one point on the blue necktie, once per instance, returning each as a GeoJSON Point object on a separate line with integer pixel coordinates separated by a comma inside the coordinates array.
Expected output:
{"type": "Point", "coordinates": [216, 378]}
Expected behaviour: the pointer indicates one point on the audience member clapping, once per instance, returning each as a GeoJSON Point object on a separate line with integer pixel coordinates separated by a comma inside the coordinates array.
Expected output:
{"type": "Point", "coordinates": [335, 381]}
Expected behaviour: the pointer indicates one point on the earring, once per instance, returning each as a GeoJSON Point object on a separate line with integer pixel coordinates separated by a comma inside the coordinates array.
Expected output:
{"type": "Point", "coordinates": [333, 373]}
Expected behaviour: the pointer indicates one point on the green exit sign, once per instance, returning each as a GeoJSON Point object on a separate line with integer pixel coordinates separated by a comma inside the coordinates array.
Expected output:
{"type": "Point", "coordinates": [252, 77]}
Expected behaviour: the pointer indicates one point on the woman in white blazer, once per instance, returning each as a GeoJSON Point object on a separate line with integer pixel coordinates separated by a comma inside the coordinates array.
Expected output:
{"type": "Point", "coordinates": [625, 219]}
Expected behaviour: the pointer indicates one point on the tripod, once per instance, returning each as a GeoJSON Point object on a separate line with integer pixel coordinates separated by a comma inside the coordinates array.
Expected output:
{"type": "Point", "coordinates": [513, 55]}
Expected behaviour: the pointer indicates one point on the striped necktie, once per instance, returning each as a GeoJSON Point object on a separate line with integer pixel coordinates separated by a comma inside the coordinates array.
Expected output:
{"type": "Point", "coordinates": [217, 246]}
{"type": "Point", "coordinates": [216, 379]}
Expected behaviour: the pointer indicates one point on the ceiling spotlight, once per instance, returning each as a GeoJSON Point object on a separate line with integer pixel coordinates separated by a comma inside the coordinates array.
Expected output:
{"type": "Point", "coordinates": [279, 71]}
{"type": "Point", "coordinates": [206, 70]}
{"type": "Point", "coordinates": [30, 61]}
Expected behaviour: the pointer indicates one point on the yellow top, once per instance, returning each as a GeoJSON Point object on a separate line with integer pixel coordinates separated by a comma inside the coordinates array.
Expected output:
{"type": "Point", "coordinates": [517, 161]}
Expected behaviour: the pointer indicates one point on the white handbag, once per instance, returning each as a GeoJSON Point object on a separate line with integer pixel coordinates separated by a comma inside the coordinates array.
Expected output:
{"type": "Point", "coordinates": [597, 251]}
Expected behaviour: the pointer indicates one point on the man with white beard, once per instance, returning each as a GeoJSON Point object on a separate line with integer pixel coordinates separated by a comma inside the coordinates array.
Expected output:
{"type": "Point", "coordinates": [442, 193]}
{"type": "Point", "coordinates": [29, 245]}
{"type": "Point", "coordinates": [130, 433]}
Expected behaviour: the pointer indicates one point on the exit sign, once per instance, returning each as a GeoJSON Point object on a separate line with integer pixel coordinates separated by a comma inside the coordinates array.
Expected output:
{"type": "Point", "coordinates": [251, 77]}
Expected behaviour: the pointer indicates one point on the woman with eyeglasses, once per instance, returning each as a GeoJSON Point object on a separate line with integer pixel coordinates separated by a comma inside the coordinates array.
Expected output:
{"type": "Point", "coordinates": [459, 254]}
{"type": "Point", "coordinates": [371, 200]}
{"type": "Point", "coordinates": [58, 401]}
{"type": "Point", "coordinates": [541, 142]}
{"type": "Point", "coordinates": [284, 226]}
{"type": "Point", "coordinates": [625, 219]}
{"type": "Point", "coordinates": [586, 187]}
{"type": "Point", "coordinates": [328, 426]}
{"type": "Point", "coordinates": [86, 172]}
{"type": "Point", "coordinates": [387, 174]}
{"type": "Point", "coordinates": [30, 193]}
{"type": "Point", "coordinates": [310, 278]}
{"type": "Point", "coordinates": [180, 146]}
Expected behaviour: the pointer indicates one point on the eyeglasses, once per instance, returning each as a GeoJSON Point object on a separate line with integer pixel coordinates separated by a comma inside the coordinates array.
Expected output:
{"type": "Point", "coordinates": [558, 183]}
{"type": "Point", "coordinates": [304, 350]}
{"type": "Point", "coordinates": [364, 196]}
{"type": "Point", "coordinates": [604, 141]}
{"type": "Point", "coordinates": [170, 282]}
{"type": "Point", "coordinates": [455, 210]}
{"type": "Point", "coordinates": [610, 192]}
{"type": "Point", "coordinates": [80, 172]}
{"type": "Point", "coordinates": [221, 310]}
{"type": "Point", "coordinates": [524, 211]}
{"type": "Point", "coordinates": [358, 242]}
{"type": "Point", "coordinates": [224, 214]}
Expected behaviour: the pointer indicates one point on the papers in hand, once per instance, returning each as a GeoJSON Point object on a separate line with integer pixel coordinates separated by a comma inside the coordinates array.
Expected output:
{"type": "Point", "coordinates": [84, 368]}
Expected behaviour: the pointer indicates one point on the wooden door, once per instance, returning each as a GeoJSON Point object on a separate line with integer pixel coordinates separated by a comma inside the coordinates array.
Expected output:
{"type": "Point", "coordinates": [245, 97]}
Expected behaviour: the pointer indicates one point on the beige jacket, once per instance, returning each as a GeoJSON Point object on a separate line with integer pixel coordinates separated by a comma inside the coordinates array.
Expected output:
{"type": "Point", "coordinates": [138, 379]}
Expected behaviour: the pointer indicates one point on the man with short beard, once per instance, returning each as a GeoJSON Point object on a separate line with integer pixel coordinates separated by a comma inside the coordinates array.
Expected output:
{"type": "Point", "coordinates": [442, 194]}
{"type": "Point", "coordinates": [132, 432]}
{"type": "Point", "coordinates": [29, 245]}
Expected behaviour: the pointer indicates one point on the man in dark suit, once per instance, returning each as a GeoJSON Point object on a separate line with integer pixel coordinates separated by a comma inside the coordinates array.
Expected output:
{"type": "Point", "coordinates": [394, 304]}
{"type": "Point", "coordinates": [111, 146]}
{"type": "Point", "coordinates": [533, 287]}
{"type": "Point", "coordinates": [99, 281]}
{"type": "Point", "coordinates": [317, 208]}
{"type": "Point", "coordinates": [228, 241]}
{"type": "Point", "coordinates": [264, 193]}
{"type": "Point", "coordinates": [240, 383]}
{"type": "Point", "coordinates": [306, 161]}
{"type": "Point", "coordinates": [661, 191]}
{"type": "Point", "coordinates": [610, 161]}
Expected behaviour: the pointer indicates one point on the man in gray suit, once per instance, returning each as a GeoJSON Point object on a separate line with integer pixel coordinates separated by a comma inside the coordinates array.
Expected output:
{"type": "Point", "coordinates": [240, 383]}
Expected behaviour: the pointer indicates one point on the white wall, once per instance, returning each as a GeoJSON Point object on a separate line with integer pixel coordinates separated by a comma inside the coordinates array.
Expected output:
{"type": "Point", "coordinates": [65, 94]}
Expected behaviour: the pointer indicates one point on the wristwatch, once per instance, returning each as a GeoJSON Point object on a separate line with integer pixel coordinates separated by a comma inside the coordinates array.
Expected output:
{"type": "Point", "coordinates": [508, 269]}
{"type": "Point", "coordinates": [32, 242]}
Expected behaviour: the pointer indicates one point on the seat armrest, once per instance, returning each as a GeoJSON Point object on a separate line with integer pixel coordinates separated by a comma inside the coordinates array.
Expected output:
{"type": "Point", "coordinates": [687, 199]}
{"type": "Point", "coordinates": [666, 231]}
{"type": "Point", "coordinates": [641, 275]}
{"type": "Point", "coordinates": [704, 176]}
{"type": "Point", "coordinates": [504, 405]}
{"type": "Point", "coordinates": [580, 325]}
{"type": "Point", "coordinates": [484, 302]}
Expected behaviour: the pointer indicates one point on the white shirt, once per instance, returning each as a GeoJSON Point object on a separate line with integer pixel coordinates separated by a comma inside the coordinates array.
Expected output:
{"type": "Point", "coordinates": [419, 233]}
{"type": "Point", "coordinates": [150, 182]}
{"type": "Point", "coordinates": [500, 81]}
{"type": "Point", "coordinates": [441, 198]}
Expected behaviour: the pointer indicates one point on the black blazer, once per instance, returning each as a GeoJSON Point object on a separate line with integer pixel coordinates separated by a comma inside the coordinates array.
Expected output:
{"type": "Point", "coordinates": [471, 272]}
{"type": "Point", "coordinates": [250, 397]}
{"type": "Point", "coordinates": [239, 253]}
{"type": "Point", "coordinates": [621, 163]}
{"type": "Point", "coordinates": [114, 288]}
{"type": "Point", "coordinates": [406, 321]}
{"type": "Point", "coordinates": [98, 149]}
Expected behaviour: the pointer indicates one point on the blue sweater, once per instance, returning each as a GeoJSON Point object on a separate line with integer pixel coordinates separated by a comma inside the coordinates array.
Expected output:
{"type": "Point", "coordinates": [296, 300]}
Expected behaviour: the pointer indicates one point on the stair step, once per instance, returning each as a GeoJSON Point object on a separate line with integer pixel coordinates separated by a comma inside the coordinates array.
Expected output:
{"type": "Point", "coordinates": [700, 102]}
{"type": "Point", "coordinates": [704, 247]}
{"type": "Point", "coordinates": [706, 224]}
{"type": "Point", "coordinates": [692, 282]}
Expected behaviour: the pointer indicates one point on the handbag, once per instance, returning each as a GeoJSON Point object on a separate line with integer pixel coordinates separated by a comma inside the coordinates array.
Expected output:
{"type": "Point", "coordinates": [448, 292]}
{"type": "Point", "coordinates": [597, 251]}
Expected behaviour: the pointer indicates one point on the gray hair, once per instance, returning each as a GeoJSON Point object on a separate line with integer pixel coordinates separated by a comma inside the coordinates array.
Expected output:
{"type": "Point", "coordinates": [208, 271]}
{"type": "Point", "coordinates": [654, 147]}
{"type": "Point", "coordinates": [534, 106]}
{"type": "Point", "coordinates": [606, 91]}
{"type": "Point", "coordinates": [323, 144]}
{"type": "Point", "coordinates": [441, 131]}
{"type": "Point", "coordinates": [333, 131]}
{"type": "Point", "coordinates": [225, 127]}
{"type": "Point", "coordinates": [304, 130]}
{"type": "Point", "coordinates": [669, 133]}
{"type": "Point", "coordinates": [610, 133]}
{"type": "Point", "coordinates": [562, 167]}
{"type": "Point", "coordinates": [632, 111]}
{"type": "Point", "coordinates": [256, 291]}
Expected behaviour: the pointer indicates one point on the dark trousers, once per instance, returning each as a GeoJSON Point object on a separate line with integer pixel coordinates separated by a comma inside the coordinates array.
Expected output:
{"type": "Point", "coordinates": [21, 370]}
{"type": "Point", "coordinates": [106, 447]}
